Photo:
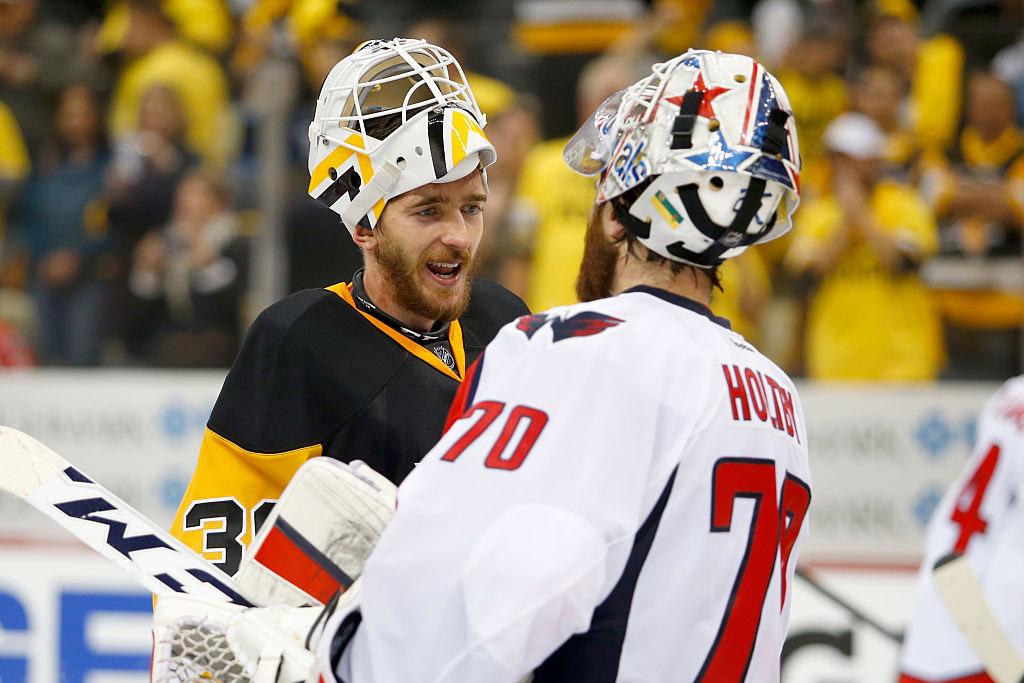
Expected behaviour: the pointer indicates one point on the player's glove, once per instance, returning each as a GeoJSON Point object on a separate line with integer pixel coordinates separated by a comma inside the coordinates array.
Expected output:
{"type": "Point", "coordinates": [201, 640]}
{"type": "Point", "coordinates": [316, 540]}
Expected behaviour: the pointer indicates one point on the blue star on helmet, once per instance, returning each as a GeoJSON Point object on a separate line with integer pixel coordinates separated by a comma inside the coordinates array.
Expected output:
{"type": "Point", "coordinates": [770, 168]}
{"type": "Point", "coordinates": [719, 156]}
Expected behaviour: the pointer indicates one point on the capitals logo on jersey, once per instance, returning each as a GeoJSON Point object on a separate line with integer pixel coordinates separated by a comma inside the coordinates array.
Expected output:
{"type": "Point", "coordinates": [583, 324]}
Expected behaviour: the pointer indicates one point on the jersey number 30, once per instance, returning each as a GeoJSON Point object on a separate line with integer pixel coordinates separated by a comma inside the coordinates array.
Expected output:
{"type": "Point", "coordinates": [774, 528]}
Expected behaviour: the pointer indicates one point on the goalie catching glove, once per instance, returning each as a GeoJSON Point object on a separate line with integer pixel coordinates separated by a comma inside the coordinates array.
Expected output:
{"type": "Point", "coordinates": [205, 640]}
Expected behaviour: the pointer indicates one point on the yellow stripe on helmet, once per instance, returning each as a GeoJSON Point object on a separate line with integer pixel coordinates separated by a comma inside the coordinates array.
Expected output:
{"type": "Point", "coordinates": [337, 159]}
{"type": "Point", "coordinates": [462, 124]}
{"type": "Point", "coordinates": [665, 208]}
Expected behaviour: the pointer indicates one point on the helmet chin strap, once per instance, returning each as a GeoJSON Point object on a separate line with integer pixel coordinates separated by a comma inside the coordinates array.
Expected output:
{"type": "Point", "coordinates": [725, 236]}
{"type": "Point", "coordinates": [380, 184]}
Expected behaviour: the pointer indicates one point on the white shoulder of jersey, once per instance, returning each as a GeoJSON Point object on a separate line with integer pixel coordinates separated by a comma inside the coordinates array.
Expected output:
{"type": "Point", "coordinates": [643, 329]}
{"type": "Point", "coordinates": [1008, 403]}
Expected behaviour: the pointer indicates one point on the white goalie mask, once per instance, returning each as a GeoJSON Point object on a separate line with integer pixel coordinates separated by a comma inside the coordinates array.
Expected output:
{"type": "Point", "coordinates": [712, 134]}
{"type": "Point", "coordinates": [440, 138]}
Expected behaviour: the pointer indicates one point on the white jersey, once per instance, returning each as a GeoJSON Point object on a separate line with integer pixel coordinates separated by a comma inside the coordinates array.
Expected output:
{"type": "Point", "coordinates": [981, 516]}
{"type": "Point", "coordinates": [622, 499]}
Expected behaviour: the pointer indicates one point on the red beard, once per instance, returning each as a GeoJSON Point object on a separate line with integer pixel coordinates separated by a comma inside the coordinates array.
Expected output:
{"type": "Point", "coordinates": [400, 272]}
{"type": "Point", "coordinates": [597, 270]}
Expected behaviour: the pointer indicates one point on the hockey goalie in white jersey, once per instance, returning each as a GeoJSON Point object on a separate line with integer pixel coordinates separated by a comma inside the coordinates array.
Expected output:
{"type": "Point", "coordinates": [623, 487]}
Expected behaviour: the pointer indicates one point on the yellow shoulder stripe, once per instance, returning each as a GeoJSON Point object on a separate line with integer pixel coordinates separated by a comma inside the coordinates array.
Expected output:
{"type": "Point", "coordinates": [344, 290]}
{"type": "Point", "coordinates": [230, 473]}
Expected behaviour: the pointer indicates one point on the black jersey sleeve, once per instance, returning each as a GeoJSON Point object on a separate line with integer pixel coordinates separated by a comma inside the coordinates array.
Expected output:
{"type": "Point", "coordinates": [308, 364]}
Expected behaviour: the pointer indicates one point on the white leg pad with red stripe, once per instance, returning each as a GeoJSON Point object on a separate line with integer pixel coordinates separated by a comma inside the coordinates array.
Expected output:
{"type": "Point", "coordinates": [318, 536]}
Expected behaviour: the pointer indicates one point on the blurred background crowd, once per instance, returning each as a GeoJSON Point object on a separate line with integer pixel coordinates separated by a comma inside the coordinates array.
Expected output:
{"type": "Point", "coordinates": [153, 168]}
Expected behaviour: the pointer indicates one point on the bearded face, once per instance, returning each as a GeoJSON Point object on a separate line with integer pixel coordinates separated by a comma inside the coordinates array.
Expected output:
{"type": "Point", "coordinates": [411, 278]}
{"type": "Point", "coordinates": [421, 256]}
{"type": "Point", "coordinates": [597, 270]}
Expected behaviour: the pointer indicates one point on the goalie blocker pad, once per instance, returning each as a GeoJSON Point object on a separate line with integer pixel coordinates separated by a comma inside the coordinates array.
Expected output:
{"type": "Point", "coordinates": [316, 540]}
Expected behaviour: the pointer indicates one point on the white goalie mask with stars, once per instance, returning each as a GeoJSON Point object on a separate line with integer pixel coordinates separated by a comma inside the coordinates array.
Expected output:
{"type": "Point", "coordinates": [712, 139]}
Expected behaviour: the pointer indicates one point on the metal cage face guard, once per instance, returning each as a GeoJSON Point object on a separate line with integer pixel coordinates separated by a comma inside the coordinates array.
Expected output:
{"type": "Point", "coordinates": [713, 133]}
{"type": "Point", "coordinates": [441, 137]}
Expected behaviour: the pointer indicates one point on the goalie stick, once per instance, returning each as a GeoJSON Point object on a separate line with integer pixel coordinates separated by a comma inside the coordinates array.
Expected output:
{"type": "Point", "coordinates": [104, 522]}
{"type": "Point", "coordinates": [857, 614]}
{"type": "Point", "coordinates": [962, 595]}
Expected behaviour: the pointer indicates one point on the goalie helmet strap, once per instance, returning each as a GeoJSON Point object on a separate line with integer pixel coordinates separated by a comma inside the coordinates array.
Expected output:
{"type": "Point", "coordinates": [380, 184]}
{"type": "Point", "coordinates": [641, 229]}
{"type": "Point", "coordinates": [345, 183]}
{"type": "Point", "coordinates": [435, 135]}
{"type": "Point", "coordinates": [725, 236]}
{"type": "Point", "coordinates": [682, 127]}
{"type": "Point", "coordinates": [775, 135]}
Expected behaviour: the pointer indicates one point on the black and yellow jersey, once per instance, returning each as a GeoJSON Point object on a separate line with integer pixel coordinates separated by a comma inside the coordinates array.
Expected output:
{"type": "Point", "coordinates": [318, 375]}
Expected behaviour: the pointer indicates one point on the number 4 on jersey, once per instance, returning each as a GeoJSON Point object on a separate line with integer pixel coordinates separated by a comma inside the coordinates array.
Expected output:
{"type": "Point", "coordinates": [774, 528]}
{"type": "Point", "coordinates": [967, 514]}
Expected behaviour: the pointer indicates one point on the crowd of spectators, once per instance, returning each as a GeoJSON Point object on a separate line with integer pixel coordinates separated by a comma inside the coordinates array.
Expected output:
{"type": "Point", "coordinates": [130, 169]}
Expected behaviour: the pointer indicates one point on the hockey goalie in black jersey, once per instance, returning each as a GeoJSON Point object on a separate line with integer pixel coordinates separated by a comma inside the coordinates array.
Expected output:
{"type": "Point", "coordinates": [367, 369]}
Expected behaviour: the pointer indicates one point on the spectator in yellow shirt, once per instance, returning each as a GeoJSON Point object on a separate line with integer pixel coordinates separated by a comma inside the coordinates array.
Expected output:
{"type": "Point", "coordinates": [549, 213]}
{"type": "Point", "coordinates": [746, 288]}
{"type": "Point", "coordinates": [17, 312]}
{"type": "Point", "coordinates": [869, 316]}
{"type": "Point", "coordinates": [932, 66]}
{"type": "Point", "coordinates": [154, 54]}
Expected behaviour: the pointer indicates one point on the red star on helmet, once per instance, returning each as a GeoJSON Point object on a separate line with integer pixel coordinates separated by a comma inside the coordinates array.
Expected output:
{"type": "Point", "coordinates": [705, 110]}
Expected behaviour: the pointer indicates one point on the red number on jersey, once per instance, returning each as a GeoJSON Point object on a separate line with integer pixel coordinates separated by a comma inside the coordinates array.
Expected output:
{"type": "Point", "coordinates": [491, 411]}
{"type": "Point", "coordinates": [774, 527]}
{"type": "Point", "coordinates": [535, 421]}
{"type": "Point", "coordinates": [796, 498]}
{"type": "Point", "coordinates": [968, 503]}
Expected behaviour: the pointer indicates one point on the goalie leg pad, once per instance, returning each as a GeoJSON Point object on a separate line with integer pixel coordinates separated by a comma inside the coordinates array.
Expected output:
{"type": "Point", "coordinates": [317, 538]}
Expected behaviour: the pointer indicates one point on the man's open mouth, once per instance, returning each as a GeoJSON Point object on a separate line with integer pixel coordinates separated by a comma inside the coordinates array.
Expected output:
{"type": "Point", "coordinates": [444, 270]}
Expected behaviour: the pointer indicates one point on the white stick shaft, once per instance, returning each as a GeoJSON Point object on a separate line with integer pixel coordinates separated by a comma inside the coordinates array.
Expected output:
{"type": "Point", "coordinates": [963, 596]}
{"type": "Point", "coordinates": [104, 522]}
